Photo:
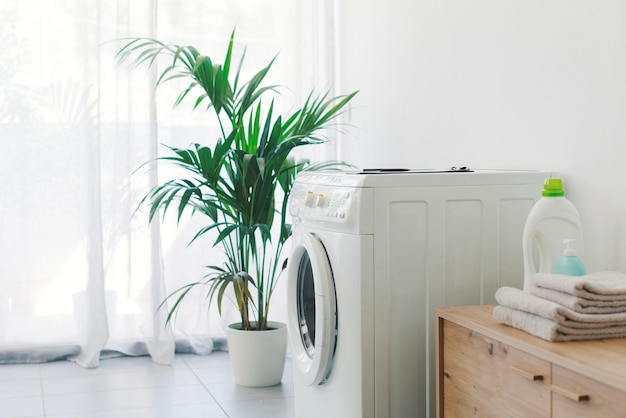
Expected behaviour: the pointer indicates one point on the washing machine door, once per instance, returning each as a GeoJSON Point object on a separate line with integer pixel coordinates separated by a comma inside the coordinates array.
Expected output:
{"type": "Point", "coordinates": [312, 309]}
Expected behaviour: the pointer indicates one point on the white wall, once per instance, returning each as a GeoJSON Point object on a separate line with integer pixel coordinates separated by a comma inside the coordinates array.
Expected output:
{"type": "Point", "coordinates": [532, 84]}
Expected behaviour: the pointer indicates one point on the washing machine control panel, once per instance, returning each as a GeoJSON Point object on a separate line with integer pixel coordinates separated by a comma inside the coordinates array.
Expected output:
{"type": "Point", "coordinates": [320, 202]}
{"type": "Point", "coordinates": [332, 205]}
{"type": "Point", "coordinates": [335, 206]}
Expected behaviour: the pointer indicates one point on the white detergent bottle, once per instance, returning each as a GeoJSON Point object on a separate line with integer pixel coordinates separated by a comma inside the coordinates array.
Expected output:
{"type": "Point", "coordinates": [551, 220]}
{"type": "Point", "coordinates": [569, 264]}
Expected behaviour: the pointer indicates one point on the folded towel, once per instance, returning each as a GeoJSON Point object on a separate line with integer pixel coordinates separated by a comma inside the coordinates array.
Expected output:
{"type": "Point", "coordinates": [604, 285]}
{"type": "Point", "coordinates": [579, 304]}
{"type": "Point", "coordinates": [511, 297]}
{"type": "Point", "coordinates": [550, 330]}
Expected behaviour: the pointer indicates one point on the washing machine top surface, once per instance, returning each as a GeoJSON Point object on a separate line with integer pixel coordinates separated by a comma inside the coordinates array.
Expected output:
{"type": "Point", "coordinates": [418, 177]}
{"type": "Point", "coordinates": [344, 201]}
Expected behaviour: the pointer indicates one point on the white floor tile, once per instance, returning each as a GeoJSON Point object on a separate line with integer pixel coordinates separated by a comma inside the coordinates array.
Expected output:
{"type": "Point", "coordinates": [21, 407]}
{"type": "Point", "coordinates": [270, 408]}
{"type": "Point", "coordinates": [114, 365]}
{"type": "Point", "coordinates": [194, 386]}
{"type": "Point", "coordinates": [178, 411]}
{"type": "Point", "coordinates": [215, 359]}
{"type": "Point", "coordinates": [20, 388]}
{"type": "Point", "coordinates": [121, 380]}
{"type": "Point", "coordinates": [10, 372]}
{"type": "Point", "coordinates": [125, 399]}
{"type": "Point", "coordinates": [232, 392]}
{"type": "Point", "coordinates": [215, 375]}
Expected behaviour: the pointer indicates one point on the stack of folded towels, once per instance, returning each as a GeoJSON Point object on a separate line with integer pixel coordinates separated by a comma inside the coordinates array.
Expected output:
{"type": "Point", "coordinates": [567, 308]}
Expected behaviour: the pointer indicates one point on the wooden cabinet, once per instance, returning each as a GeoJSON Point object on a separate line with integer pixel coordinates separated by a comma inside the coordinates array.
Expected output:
{"type": "Point", "coordinates": [487, 369]}
{"type": "Point", "coordinates": [574, 395]}
{"type": "Point", "coordinates": [488, 378]}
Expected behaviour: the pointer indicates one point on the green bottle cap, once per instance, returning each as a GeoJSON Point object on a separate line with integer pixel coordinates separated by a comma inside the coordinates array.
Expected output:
{"type": "Point", "coordinates": [553, 188]}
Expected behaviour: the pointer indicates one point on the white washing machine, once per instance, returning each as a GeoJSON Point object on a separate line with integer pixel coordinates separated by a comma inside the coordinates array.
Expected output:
{"type": "Point", "coordinates": [374, 254]}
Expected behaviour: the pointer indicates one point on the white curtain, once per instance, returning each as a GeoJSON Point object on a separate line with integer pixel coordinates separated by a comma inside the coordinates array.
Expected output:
{"type": "Point", "coordinates": [81, 274]}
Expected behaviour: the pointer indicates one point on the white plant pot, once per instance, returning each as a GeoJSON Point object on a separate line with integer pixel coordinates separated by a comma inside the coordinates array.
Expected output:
{"type": "Point", "coordinates": [258, 357]}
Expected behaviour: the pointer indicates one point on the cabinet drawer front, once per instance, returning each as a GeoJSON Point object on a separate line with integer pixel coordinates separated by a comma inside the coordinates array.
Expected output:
{"type": "Point", "coordinates": [574, 395]}
{"type": "Point", "coordinates": [486, 378]}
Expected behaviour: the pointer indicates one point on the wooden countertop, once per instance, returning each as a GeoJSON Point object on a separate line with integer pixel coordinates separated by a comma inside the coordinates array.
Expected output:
{"type": "Point", "coordinates": [602, 360]}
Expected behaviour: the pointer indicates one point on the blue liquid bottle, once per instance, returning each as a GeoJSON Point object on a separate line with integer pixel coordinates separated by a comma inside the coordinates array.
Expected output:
{"type": "Point", "coordinates": [569, 263]}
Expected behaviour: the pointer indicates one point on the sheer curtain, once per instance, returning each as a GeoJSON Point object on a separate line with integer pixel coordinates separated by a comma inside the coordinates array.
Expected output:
{"type": "Point", "coordinates": [82, 274]}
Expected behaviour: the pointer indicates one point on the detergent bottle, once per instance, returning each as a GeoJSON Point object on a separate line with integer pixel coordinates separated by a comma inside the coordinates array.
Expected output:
{"type": "Point", "coordinates": [551, 220]}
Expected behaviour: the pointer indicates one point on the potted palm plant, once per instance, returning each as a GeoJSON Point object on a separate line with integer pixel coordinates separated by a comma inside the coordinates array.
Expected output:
{"type": "Point", "coordinates": [240, 184]}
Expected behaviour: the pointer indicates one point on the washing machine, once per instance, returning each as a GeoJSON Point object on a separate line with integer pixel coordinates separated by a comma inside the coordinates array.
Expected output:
{"type": "Point", "coordinates": [374, 253]}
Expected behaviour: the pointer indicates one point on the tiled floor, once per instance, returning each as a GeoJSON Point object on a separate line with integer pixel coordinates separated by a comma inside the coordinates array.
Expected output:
{"type": "Point", "coordinates": [135, 387]}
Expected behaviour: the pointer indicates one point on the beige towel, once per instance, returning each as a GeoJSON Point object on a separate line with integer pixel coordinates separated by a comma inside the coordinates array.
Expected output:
{"type": "Point", "coordinates": [550, 330]}
{"type": "Point", "coordinates": [579, 304]}
{"type": "Point", "coordinates": [511, 297]}
{"type": "Point", "coordinates": [603, 286]}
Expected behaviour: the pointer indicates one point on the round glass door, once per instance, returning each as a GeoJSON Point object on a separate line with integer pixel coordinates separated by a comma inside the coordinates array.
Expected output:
{"type": "Point", "coordinates": [312, 311]}
{"type": "Point", "coordinates": [305, 290]}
